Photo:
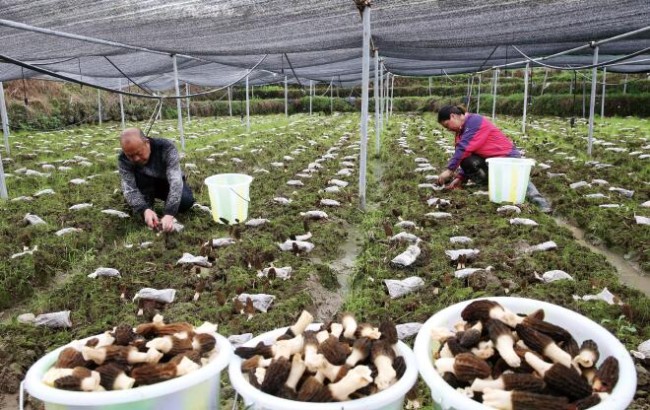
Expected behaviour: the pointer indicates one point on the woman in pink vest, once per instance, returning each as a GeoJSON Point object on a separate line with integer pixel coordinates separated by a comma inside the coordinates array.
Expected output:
{"type": "Point", "coordinates": [478, 139]}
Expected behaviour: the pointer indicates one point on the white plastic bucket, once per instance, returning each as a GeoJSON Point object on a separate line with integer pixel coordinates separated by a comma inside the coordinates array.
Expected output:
{"type": "Point", "coordinates": [229, 196]}
{"type": "Point", "coordinates": [389, 399]}
{"type": "Point", "coordinates": [197, 390]}
{"type": "Point", "coordinates": [508, 179]}
{"type": "Point", "coordinates": [580, 327]}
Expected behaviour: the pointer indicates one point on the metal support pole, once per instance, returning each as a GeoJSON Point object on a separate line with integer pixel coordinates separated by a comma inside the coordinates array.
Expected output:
{"type": "Point", "coordinates": [523, 119]}
{"type": "Point", "coordinates": [376, 97]}
{"type": "Point", "coordinates": [429, 86]}
{"type": "Point", "coordinates": [311, 93]}
{"type": "Point", "coordinates": [5, 119]}
{"type": "Point", "coordinates": [495, 78]}
{"type": "Point", "coordinates": [3, 185]}
{"type": "Point", "coordinates": [478, 94]}
{"type": "Point", "coordinates": [286, 96]}
{"type": "Point", "coordinates": [365, 77]}
{"type": "Point", "coordinates": [592, 101]}
{"type": "Point", "coordinates": [392, 92]}
{"type": "Point", "coordinates": [381, 96]}
{"type": "Point", "coordinates": [332, 96]}
{"type": "Point", "coordinates": [160, 110]}
{"type": "Point", "coordinates": [248, 108]}
{"type": "Point", "coordinates": [584, 99]}
{"type": "Point", "coordinates": [230, 101]}
{"type": "Point", "coordinates": [187, 102]}
{"type": "Point", "coordinates": [469, 90]}
{"type": "Point", "coordinates": [602, 101]}
{"type": "Point", "coordinates": [387, 97]}
{"type": "Point", "coordinates": [625, 85]}
{"type": "Point", "coordinates": [121, 106]}
{"type": "Point", "coordinates": [179, 112]}
{"type": "Point", "coordinates": [252, 95]}
{"type": "Point", "coordinates": [99, 106]}
{"type": "Point", "coordinates": [544, 82]}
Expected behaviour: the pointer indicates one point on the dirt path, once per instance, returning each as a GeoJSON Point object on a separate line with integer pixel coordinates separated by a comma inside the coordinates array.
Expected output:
{"type": "Point", "coordinates": [629, 272]}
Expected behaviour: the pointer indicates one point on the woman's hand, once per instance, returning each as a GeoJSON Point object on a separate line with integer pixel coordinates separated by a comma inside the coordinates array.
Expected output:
{"type": "Point", "coordinates": [151, 219]}
{"type": "Point", "coordinates": [455, 184]}
{"type": "Point", "coordinates": [167, 223]}
{"type": "Point", "coordinates": [445, 176]}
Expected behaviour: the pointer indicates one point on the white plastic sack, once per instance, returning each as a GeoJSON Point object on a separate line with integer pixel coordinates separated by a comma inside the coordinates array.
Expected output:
{"type": "Point", "coordinates": [404, 237]}
{"type": "Point", "coordinates": [66, 231]}
{"type": "Point", "coordinates": [238, 340]}
{"type": "Point", "coordinates": [113, 212]}
{"type": "Point", "coordinates": [256, 222]}
{"type": "Point", "coordinates": [261, 301]}
{"type": "Point", "coordinates": [580, 184]}
{"type": "Point", "coordinates": [108, 272]}
{"type": "Point", "coordinates": [54, 319]}
{"type": "Point", "coordinates": [329, 202]}
{"type": "Point", "coordinates": [337, 182]}
{"type": "Point", "coordinates": [438, 215]}
{"type": "Point", "coordinates": [508, 208]}
{"type": "Point", "coordinates": [26, 251]}
{"type": "Point", "coordinates": [625, 192]}
{"type": "Point", "coordinates": [522, 221]}
{"type": "Point", "coordinates": [314, 214]}
{"type": "Point", "coordinates": [188, 258]}
{"type": "Point", "coordinates": [407, 257]}
{"type": "Point", "coordinates": [33, 219]}
{"type": "Point", "coordinates": [162, 295]}
{"type": "Point", "coordinates": [405, 330]}
{"type": "Point", "coordinates": [405, 224]}
{"type": "Point", "coordinates": [282, 200]}
{"type": "Point", "coordinates": [42, 192]}
{"type": "Point", "coordinates": [468, 253]}
{"type": "Point", "coordinates": [283, 273]}
{"type": "Point", "coordinates": [295, 182]}
{"type": "Point", "coordinates": [80, 206]}
{"type": "Point", "coordinates": [202, 208]}
{"type": "Point", "coordinates": [642, 220]}
{"type": "Point", "coordinates": [464, 273]}
{"type": "Point", "coordinates": [610, 206]}
{"type": "Point", "coordinates": [553, 275]}
{"type": "Point", "coordinates": [596, 196]}
{"type": "Point", "coordinates": [303, 246]}
{"type": "Point", "coordinates": [397, 288]}
{"type": "Point", "coordinates": [460, 239]}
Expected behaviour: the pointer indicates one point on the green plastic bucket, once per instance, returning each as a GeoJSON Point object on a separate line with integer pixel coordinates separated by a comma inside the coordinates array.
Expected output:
{"type": "Point", "coordinates": [229, 196]}
{"type": "Point", "coordinates": [508, 179]}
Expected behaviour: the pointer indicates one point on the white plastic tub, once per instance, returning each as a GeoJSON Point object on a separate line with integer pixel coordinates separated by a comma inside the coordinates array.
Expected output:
{"type": "Point", "coordinates": [580, 327]}
{"type": "Point", "coordinates": [508, 179]}
{"type": "Point", "coordinates": [389, 399]}
{"type": "Point", "coordinates": [229, 196]}
{"type": "Point", "coordinates": [198, 390]}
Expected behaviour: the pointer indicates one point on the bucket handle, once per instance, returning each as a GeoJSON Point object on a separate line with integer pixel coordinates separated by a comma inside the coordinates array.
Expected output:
{"type": "Point", "coordinates": [21, 396]}
{"type": "Point", "coordinates": [235, 192]}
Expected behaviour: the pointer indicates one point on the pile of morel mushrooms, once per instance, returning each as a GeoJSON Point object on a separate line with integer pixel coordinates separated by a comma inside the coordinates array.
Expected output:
{"type": "Point", "coordinates": [126, 357]}
{"type": "Point", "coordinates": [507, 361]}
{"type": "Point", "coordinates": [338, 362]}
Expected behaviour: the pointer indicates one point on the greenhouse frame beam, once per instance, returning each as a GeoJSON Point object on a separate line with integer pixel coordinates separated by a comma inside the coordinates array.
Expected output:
{"type": "Point", "coordinates": [592, 102]}
{"type": "Point", "coordinates": [495, 79]}
{"type": "Point", "coordinates": [381, 96]}
{"type": "Point", "coordinates": [392, 91]}
{"type": "Point", "coordinates": [332, 96]}
{"type": "Point", "coordinates": [375, 91]}
{"type": "Point", "coordinates": [121, 106]}
{"type": "Point", "coordinates": [5, 119]}
{"type": "Point", "coordinates": [602, 102]}
{"type": "Point", "coordinates": [365, 77]}
{"type": "Point", "coordinates": [311, 93]}
{"type": "Point", "coordinates": [286, 96]}
{"type": "Point", "coordinates": [523, 119]}
{"type": "Point", "coordinates": [248, 108]}
{"type": "Point", "coordinates": [230, 100]}
{"type": "Point", "coordinates": [3, 185]}
{"type": "Point", "coordinates": [187, 94]}
{"type": "Point", "coordinates": [99, 106]}
{"type": "Point", "coordinates": [478, 95]}
{"type": "Point", "coordinates": [179, 111]}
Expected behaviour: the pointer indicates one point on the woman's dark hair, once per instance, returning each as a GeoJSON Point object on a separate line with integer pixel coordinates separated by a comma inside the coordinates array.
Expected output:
{"type": "Point", "coordinates": [445, 112]}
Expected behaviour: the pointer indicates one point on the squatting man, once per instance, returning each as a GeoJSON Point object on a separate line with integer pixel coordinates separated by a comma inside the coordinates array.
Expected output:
{"type": "Point", "coordinates": [150, 169]}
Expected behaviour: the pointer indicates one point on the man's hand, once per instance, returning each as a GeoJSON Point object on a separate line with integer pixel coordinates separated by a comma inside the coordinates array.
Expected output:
{"type": "Point", "coordinates": [167, 223]}
{"type": "Point", "coordinates": [151, 219]}
{"type": "Point", "coordinates": [445, 176]}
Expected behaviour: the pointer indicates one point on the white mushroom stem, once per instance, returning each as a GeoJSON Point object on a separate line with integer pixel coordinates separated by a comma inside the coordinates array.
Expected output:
{"type": "Point", "coordinates": [446, 352]}
{"type": "Point", "coordinates": [162, 344]}
{"type": "Point", "coordinates": [304, 320]}
{"type": "Point", "coordinates": [337, 329]}
{"type": "Point", "coordinates": [510, 318]}
{"type": "Point", "coordinates": [312, 358]}
{"type": "Point", "coordinates": [386, 374]}
{"type": "Point", "coordinates": [297, 370]}
{"type": "Point", "coordinates": [329, 370]}
{"type": "Point", "coordinates": [349, 326]}
{"type": "Point", "coordinates": [557, 355]}
{"type": "Point", "coordinates": [482, 384]}
{"type": "Point", "coordinates": [287, 348]}
{"type": "Point", "coordinates": [586, 359]}
{"type": "Point", "coordinates": [89, 383]}
{"type": "Point", "coordinates": [55, 373]}
{"type": "Point", "coordinates": [505, 347]}
{"type": "Point", "coordinates": [322, 336]}
{"type": "Point", "coordinates": [370, 332]}
{"type": "Point", "coordinates": [485, 350]}
{"type": "Point", "coordinates": [440, 334]}
{"type": "Point", "coordinates": [260, 373]}
{"type": "Point", "coordinates": [186, 366]}
{"type": "Point", "coordinates": [123, 382]}
{"type": "Point", "coordinates": [589, 374]}
{"type": "Point", "coordinates": [497, 399]}
{"type": "Point", "coordinates": [445, 365]}
{"type": "Point", "coordinates": [540, 366]}
{"type": "Point", "coordinates": [357, 378]}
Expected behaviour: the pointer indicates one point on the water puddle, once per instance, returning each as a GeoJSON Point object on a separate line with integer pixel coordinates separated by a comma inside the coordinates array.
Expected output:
{"type": "Point", "coordinates": [629, 273]}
